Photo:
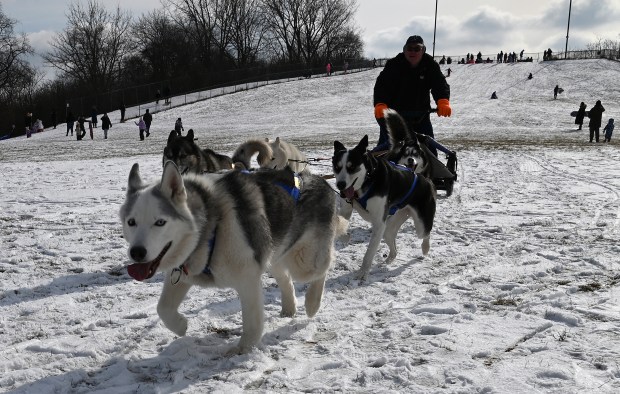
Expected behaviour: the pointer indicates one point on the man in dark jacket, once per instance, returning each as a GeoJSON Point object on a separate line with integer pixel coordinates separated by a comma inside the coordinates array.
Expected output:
{"type": "Point", "coordinates": [595, 115]}
{"type": "Point", "coordinates": [404, 85]}
{"type": "Point", "coordinates": [148, 118]}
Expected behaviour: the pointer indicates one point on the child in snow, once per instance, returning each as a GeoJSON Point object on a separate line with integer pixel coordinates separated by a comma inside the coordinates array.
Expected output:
{"type": "Point", "coordinates": [142, 126]}
{"type": "Point", "coordinates": [178, 126]}
{"type": "Point", "coordinates": [609, 129]}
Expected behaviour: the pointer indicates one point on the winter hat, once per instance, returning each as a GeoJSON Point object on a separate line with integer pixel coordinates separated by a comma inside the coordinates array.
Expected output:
{"type": "Point", "coordinates": [611, 120]}
{"type": "Point", "coordinates": [414, 40]}
{"type": "Point", "coordinates": [598, 102]}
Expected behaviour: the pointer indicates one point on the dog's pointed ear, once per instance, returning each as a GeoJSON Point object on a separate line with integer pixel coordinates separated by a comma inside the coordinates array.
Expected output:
{"type": "Point", "coordinates": [276, 143]}
{"type": "Point", "coordinates": [172, 136]}
{"type": "Point", "coordinates": [338, 147]}
{"type": "Point", "coordinates": [134, 182]}
{"type": "Point", "coordinates": [190, 134]}
{"type": "Point", "coordinates": [363, 144]}
{"type": "Point", "coordinates": [172, 183]}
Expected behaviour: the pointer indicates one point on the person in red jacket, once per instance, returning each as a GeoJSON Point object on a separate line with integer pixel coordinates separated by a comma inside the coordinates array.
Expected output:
{"type": "Point", "coordinates": [405, 84]}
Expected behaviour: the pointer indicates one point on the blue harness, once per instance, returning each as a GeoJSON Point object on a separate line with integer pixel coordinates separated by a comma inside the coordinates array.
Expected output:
{"type": "Point", "coordinates": [363, 200]}
{"type": "Point", "coordinates": [293, 191]}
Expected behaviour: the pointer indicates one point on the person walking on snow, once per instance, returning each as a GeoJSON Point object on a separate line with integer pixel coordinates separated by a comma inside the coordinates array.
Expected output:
{"type": "Point", "coordinates": [142, 127]}
{"type": "Point", "coordinates": [555, 91]}
{"type": "Point", "coordinates": [595, 115]}
{"type": "Point", "coordinates": [609, 129]}
{"type": "Point", "coordinates": [148, 118]}
{"type": "Point", "coordinates": [178, 127]}
{"type": "Point", "coordinates": [581, 113]}
{"type": "Point", "coordinates": [105, 125]}
{"type": "Point", "coordinates": [404, 85]}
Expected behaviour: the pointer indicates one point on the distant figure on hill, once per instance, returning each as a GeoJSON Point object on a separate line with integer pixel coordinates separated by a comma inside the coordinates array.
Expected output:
{"type": "Point", "coordinates": [595, 115]}
{"type": "Point", "coordinates": [105, 125]}
{"type": "Point", "coordinates": [328, 69]}
{"type": "Point", "coordinates": [449, 71]}
{"type": "Point", "coordinates": [122, 108]}
{"type": "Point", "coordinates": [609, 129]}
{"type": "Point", "coordinates": [581, 113]}
{"type": "Point", "coordinates": [530, 76]}
{"type": "Point", "coordinates": [148, 119]}
{"type": "Point", "coordinates": [494, 96]}
{"type": "Point", "coordinates": [178, 126]}
{"type": "Point", "coordinates": [70, 119]}
{"type": "Point", "coordinates": [556, 90]}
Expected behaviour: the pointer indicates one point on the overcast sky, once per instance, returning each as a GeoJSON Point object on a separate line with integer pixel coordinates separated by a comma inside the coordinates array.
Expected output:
{"type": "Point", "coordinates": [462, 26]}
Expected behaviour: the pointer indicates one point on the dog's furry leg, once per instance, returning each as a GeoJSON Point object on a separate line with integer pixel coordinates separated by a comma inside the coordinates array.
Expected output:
{"type": "Point", "coordinates": [168, 305]}
{"type": "Point", "coordinates": [252, 314]}
{"type": "Point", "coordinates": [345, 210]}
{"type": "Point", "coordinates": [394, 224]}
{"type": "Point", "coordinates": [422, 232]}
{"type": "Point", "coordinates": [377, 234]}
{"type": "Point", "coordinates": [287, 289]}
{"type": "Point", "coordinates": [314, 295]}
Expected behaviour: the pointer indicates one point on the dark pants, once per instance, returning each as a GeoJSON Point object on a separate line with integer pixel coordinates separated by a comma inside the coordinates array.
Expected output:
{"type": "Point", "coordinates": [141, 134]}
{"type": "Point", "coordinates": [148, 128]}
{"type": "Point", "coordinates": [593, 132]}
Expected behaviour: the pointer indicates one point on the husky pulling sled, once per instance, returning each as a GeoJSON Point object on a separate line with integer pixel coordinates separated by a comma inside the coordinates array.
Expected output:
{"type": "Point", "coordinates": [225, 230]}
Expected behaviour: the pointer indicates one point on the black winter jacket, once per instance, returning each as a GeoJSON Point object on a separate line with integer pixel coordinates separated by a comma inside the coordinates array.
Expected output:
{"type": "Point", "coordinates": [595, 115]}
{"type": "Point", "coordinates": [406, 89]}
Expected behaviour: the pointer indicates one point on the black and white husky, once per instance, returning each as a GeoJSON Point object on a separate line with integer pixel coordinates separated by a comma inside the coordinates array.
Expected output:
{"type": "Point", "coordinates": [189, 157]}
{"type": "Point", "coordinates": [384, 194]}
{"type": "Point", "coordinates": [225, 230]}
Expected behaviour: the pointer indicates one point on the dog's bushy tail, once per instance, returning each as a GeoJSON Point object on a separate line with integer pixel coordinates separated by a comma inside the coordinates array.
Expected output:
{"type": "Point", "coordinates": [397, 128]}
{"type": "Point", "coordinates": [243, 154]}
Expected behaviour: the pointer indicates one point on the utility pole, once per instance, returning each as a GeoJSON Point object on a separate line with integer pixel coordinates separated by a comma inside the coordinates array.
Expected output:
{"type": "Point", "coordinates": [567, 28]}
{"type": "Point", "coordinates": [435, 29]}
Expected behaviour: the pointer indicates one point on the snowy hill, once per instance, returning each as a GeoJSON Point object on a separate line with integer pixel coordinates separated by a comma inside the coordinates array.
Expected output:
{"type": "Point", "coordinates": [520, 291]}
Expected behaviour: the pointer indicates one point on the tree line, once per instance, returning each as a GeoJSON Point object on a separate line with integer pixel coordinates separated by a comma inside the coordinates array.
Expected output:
{"type": "Point", "coordinates": [102, 49]}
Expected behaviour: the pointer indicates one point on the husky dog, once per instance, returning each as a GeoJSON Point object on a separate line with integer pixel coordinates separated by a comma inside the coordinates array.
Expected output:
{"type": "Point", "coordinates": [223, 230]}
{"type": "Point", "coordinates": [385, 195]}
{"type": "Point", "coordinates": [188, 156]}
{"type": "Point", "coordinates": [406, 147]}
{"type": "Point", "coordinates": [271, 154]}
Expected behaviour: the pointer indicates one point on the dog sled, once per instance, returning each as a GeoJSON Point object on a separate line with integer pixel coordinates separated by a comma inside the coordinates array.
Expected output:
{"type": "Point", "coordinates": [442, 175]}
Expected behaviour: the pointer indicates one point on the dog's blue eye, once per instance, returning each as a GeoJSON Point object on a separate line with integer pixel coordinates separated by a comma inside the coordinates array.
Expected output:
{"type": "Point", "coordinates": [131, 222]}
{"type": "Point", "coordinates": [160, 222]}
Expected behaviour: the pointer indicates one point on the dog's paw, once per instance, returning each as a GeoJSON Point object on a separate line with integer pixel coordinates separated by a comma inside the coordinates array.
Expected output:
{"type": "Point", "coordinates": [361, 275]}
{"type": "Point", "coordinates": [426, 246]}
{"type": "Point", "coordinates": [288, 312]}
{"type": "Point", "coordinates": [177, 325]}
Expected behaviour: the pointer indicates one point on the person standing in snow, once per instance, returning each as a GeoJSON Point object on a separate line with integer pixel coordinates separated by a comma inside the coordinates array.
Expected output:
{"type": "Point", "coordinates": [105, 125]}
{"type": "Point", "coordinates": [142, 127]}
{"type": "Point", "coordinates": [581, 113]}
{"type": "Point", "coordinates": [178, 127]}
{"type": "Point", "coordinates": [404, 85]}
{"type": "Point", "coordinates": [148, 119]}
{"type": "Point", "coordinates": [609, 129]}
{"type": "Point", "coordinates": [595, 115]}
{"type": "Point", "coordinates": [556, 91]}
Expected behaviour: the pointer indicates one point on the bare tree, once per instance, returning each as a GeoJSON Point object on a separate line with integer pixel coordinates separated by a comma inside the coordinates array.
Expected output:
{"type": "Point", "coordinates": [162, 46]}
{"type": "Point", "coordinates": [248, 31]}
{"type": "Point", "coordinates": [13, 68]}
{"type": "Point", "coordinates": [197, 19]}
{"type": "Point", "coordinates": [305, 29]}
{"type": "Point", "coordinates": [92, 47]}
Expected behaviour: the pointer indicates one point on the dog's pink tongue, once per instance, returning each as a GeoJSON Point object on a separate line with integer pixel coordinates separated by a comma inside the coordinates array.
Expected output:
{"type": "Point", "coordinates": [139, 271]}
{"type": "Point", "coordinates": [349, 192]}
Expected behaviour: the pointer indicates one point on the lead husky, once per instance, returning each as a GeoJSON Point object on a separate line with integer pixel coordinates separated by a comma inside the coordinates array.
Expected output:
{"type": "Point", "coordinates": [271, 154]}
{"type": "Point", "coordinates": [222, 230]}
{"type": "Point", "coordinates": [385, 195]}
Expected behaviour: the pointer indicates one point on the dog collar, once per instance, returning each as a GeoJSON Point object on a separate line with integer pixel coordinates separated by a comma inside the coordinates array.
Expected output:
{"type": "Point", "coordinates": [175, 276]}
{"type": "Point", "coordinates": [295, 190]}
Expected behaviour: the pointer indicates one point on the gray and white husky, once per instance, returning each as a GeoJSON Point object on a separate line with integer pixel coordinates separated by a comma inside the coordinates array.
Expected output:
{"type": "Point", "coordinates": [225, 230]}
{"type": "Point", "coordinates": [275, 154]}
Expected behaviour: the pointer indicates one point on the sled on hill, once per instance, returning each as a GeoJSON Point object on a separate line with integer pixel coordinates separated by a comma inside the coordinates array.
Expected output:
{"type": "Point", "coordinates": [574, 114]}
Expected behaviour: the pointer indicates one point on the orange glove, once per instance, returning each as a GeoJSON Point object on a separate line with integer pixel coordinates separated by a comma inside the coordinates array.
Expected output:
{"type": "Point", "coordinates": [379, 108]}
{"type": "Point", "coordinates": [443, 107]}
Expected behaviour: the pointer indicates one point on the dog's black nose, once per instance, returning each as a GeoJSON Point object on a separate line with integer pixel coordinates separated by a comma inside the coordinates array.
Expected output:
{"type": "Point", "coordinates": [137, 253]}
{"type": "Point", "coordinates": [341, 185]}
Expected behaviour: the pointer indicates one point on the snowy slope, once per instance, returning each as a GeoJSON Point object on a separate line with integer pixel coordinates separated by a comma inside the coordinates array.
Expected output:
{"type": "Point", "coordinates": [520, 293]}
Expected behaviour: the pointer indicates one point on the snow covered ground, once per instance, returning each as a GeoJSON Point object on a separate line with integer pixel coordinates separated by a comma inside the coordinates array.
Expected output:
{"type": "Point", "coordinates": [520, 292]}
